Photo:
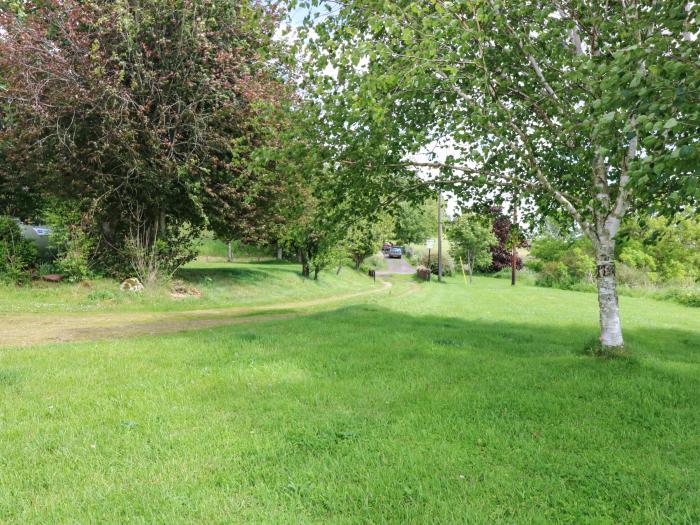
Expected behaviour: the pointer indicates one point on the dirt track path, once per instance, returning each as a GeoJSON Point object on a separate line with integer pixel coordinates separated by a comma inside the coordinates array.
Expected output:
{"type": "Point", "coordinates": [32, 329]}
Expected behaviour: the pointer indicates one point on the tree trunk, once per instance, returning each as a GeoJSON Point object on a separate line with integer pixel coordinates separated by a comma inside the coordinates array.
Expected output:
{"type": "Point", "coordinates": [279, 253]}
{"type": "Point", "coordinates": [317, 269]}
{"type": "Point", "coordinates": [229, 252]}
{"type": "Point", "coordinates": [439, 243]}
{"type": "Point", "coordinates": [305, 268]}
{"type": "Point", "coordinates": [160, 225]}
{"type": "Point", "coordinates": [610, 325]}
{"type": "Point", "coordinates": [514, 253]}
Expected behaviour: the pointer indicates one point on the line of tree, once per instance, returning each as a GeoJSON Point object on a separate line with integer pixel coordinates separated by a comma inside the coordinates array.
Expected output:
{"type": "Point", "coordinates": [131, 127]}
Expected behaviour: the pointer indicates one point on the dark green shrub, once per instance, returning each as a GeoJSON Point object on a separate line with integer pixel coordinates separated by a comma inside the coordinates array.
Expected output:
{"type": "Point", "coordinates": [17, 255]}
{"type": "Point", "coordinates": [553, 274]}
{"type": "Point", "coordinates": [546, 249]}
{"type": "Point", "coordinates": [72, 244]}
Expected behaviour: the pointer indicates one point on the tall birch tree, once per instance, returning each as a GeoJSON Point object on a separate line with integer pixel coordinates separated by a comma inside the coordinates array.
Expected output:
{"type": "Point", "coordinates": [582, 109]}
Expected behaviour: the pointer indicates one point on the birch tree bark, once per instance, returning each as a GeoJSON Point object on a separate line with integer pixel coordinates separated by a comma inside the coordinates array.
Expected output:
{"type": "Point", "coordinates": [606, 280]}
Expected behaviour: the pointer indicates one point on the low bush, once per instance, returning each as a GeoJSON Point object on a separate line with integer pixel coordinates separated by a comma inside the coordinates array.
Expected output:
{"type": "Point", "coordinates": [69, 239]}
{"type": "Point", "coordinates": [17, 255]}
{"type": "Point", "coordinates": [562, 264]}
{"type": "Point", "coordinates": [553, 274]}
{"type": "Point", "coordinates": [635, 277]}
{"type": "Point", "coordinates": [684, 296]}
{"type": "Point", "coordinates": [46, 268]}
{"type": "Point", "coordinates": [448, 263]}
{"type": "Point", "coordinates": [414, 252]}
{"type": "Point", "coordinates": [373, 262]}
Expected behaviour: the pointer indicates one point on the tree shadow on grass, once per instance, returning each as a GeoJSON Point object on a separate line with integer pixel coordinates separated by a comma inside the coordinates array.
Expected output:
{"type": "Point", "coordinates": [507, 402]}
{"type": "Point", "coordinates": [237, 274]}
{"type": "Point", "coordinates": [372, 336]}
{"type": "Point", "coordinates": [372, 340]}
{"type": "Point", "coordinates": [234, 274]}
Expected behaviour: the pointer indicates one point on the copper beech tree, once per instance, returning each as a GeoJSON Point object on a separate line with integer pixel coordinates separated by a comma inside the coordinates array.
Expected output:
{"type": "Point", "coordinates": [149, 115]}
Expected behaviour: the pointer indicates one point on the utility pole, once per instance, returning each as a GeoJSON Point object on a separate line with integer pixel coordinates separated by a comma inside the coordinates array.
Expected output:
{"type": "Point", "coordinates": [514, 253]}
{"type": "Point", "coordinates": [439, 220]}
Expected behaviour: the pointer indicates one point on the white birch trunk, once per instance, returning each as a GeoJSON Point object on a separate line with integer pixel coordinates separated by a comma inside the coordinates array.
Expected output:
{"type": "Point", "coordinates": [610, 325]}
{"type": "Point", "coordinates": [470, 265]}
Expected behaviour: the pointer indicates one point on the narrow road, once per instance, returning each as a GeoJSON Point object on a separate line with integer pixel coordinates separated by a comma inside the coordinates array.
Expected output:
{"type": "Point", "coordinates": [397, 266]}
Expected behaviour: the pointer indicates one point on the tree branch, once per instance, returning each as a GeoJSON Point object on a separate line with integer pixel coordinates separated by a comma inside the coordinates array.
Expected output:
{"type": "Point", "coordinates": [622, 200]}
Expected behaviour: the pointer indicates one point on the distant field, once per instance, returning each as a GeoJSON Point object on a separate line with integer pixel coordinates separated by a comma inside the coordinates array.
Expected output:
{"type": "Point", "coordinates": [450, 405]}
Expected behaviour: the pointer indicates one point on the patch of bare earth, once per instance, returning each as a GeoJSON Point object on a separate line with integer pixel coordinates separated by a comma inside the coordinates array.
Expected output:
{"type": "Point", "coordinates": [32, 329]}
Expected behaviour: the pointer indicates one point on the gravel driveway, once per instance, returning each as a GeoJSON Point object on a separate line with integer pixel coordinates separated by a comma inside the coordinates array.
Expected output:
{"type": "Point", "coordinates": [397, 266]}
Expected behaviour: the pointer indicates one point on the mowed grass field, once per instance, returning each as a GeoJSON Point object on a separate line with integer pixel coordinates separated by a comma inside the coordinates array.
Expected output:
{"type": "Point", "coordinates": [448, 405]}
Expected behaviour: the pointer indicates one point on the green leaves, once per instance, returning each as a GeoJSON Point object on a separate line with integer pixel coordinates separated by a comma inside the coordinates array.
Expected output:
{"type": "Point", "coordinates": [607, 118]}
{"type": "Point", "coordinates": [510, 93]}
{"type": "Point", "coordinates": [670, 123]}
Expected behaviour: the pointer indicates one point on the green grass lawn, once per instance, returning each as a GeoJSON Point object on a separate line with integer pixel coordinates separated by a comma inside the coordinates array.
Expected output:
{"type": "Point", "coordinates": [222, 284]}
{"type": "Point", "coordinates": [451, 405]}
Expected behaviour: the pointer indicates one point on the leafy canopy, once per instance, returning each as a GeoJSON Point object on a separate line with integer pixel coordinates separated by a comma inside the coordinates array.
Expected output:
{"type": "Point", "coordinates": [580, 108]}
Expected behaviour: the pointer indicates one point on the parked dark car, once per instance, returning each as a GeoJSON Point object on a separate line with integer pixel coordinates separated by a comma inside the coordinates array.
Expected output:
{"type": "Point", "coordinates": [395, 253]}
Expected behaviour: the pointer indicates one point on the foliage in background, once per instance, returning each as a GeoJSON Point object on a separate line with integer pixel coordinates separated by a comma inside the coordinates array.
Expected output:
{"type": "Point", "coordinates": [666, 251]}
{"type": "Point", "coordinates": [17, 255]}
{"type": "Point", "coordinates": [472, 239]}
{"type": "Point", "coordinates": [656, 258]}
{"type": "Point", "coordinates": [315, 236]}
{"type": "Point", "coordinates": [373, 262]}
{"type": "Point", "coordinates": [562, 263]}
{"type": "Point", "coordinates": [209, 246]}
{"type": "Point", "coordinates": [153, 258]}
{"type": "Point", "coordinates": [420, 258]}
{"type": "Point", "coordinates": [415, 222]}
{"type": "Point", "coordinates": [70, 239]}
{"type": "Point", "coordinates": [363, 239]}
